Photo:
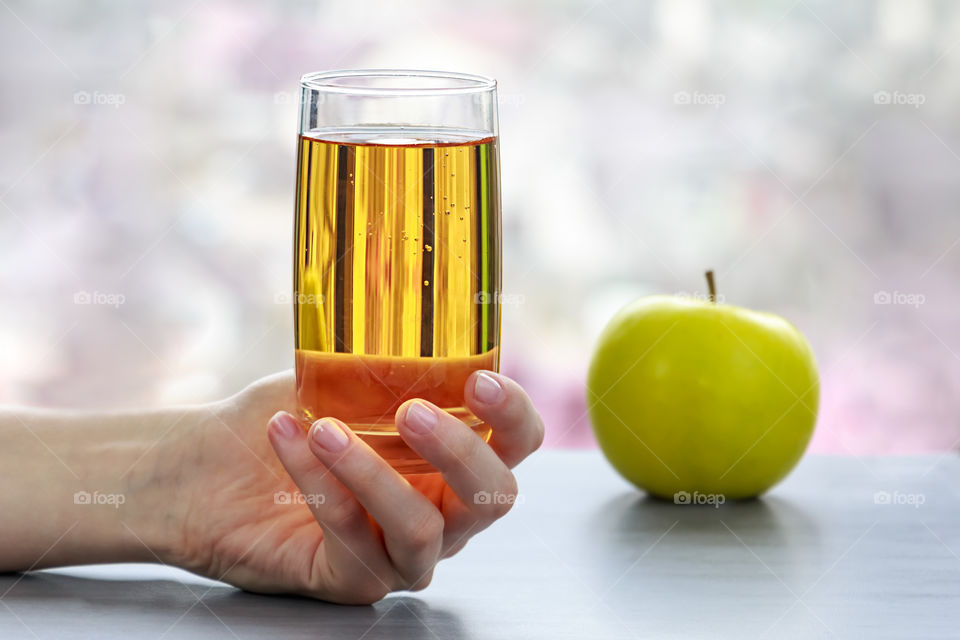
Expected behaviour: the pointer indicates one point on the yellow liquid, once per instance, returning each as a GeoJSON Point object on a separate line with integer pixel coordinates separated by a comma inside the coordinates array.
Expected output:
{"type": "Point", "coordinates": [396, 278]}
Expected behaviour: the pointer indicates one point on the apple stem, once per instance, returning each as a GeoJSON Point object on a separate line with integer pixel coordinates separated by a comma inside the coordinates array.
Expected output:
{"type": "Point", "coordinates": [711, 285]}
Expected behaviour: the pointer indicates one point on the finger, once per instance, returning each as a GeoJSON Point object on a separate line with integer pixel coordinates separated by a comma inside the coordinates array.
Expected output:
{"type": "Point", "coordinates": [506, 407]}
{"type": "Point", "coordinates": [412, 525]}
{"type": "Point", "coordinates": [353, 550]}
{"type": "Point", "coordinates": [455, 549]}
{"type": "Point", "coordinates": [479, 478]}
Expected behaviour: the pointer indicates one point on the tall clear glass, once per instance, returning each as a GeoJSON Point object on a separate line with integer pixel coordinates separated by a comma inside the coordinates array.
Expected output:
{"type": "Point", "coordinates": [397, 247]}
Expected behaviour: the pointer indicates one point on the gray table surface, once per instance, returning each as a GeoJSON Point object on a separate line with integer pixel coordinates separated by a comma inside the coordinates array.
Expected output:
{"type": "Point", "coordinates": [845, 547]}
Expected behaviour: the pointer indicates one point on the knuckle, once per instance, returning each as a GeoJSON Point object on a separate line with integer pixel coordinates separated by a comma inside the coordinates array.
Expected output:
{"type": "Point", "coordinates": [375, 473]}
{"type": "Point", "coordinates": [539, 433]}
{"type": "Point", "coordinates": [361, 467]}
{"type": "Point", "coordinates": [342, 513]}
{"type": "Point", "coordinates": [427, 530]}
{"type": "Point", "coordinates": [368, 592]}
{"type": "Point", "coordinates": [506, 496]}
{"type": "Point", "coordinates": [500, 509]}
{"type": "Point", "coordinates": [423, 582]}
{"type": "Point", "coordinates": [465, 449]}
{"type": "Point", "coordinates": [454, 550]}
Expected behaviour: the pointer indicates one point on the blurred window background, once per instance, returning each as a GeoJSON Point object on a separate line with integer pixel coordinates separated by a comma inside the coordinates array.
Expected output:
{"type": "Point", "coordinates": [807, 151]}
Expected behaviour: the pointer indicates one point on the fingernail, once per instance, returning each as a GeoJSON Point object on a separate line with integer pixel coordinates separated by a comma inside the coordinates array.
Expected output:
{"type": "Point", "coordinates": [285, 424]}
{"type": "Point", "coordinates": [487, 389]}
{"type": "Point", "coordinates": [329, 436]}
{"type": "Point", "coordinates": [420, 418]}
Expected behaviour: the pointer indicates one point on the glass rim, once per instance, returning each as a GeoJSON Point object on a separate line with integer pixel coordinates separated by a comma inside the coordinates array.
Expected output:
{"type": "Point", "coordinates": [460, 83]}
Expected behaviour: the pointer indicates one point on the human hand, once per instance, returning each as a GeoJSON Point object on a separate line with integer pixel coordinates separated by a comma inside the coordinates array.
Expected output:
{"type": "Point", "coordinates": [362, 530]}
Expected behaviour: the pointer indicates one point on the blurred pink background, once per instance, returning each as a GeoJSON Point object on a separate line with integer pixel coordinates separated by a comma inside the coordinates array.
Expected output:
{"type": "Point", "coordinates": [807, 151]}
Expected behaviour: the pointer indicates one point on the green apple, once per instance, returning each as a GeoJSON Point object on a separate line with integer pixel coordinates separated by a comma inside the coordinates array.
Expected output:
{"type": "Point", "coordinates": [693, 396]}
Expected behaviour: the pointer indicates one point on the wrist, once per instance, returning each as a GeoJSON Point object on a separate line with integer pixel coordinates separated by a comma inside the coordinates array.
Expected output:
{"type": "Point", "coordinates": [95, 488]}
{"type": "Point", "coordinates": [145, 471]}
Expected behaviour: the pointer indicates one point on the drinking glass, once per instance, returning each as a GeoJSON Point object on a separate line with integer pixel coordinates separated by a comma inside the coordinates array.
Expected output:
{"type": "Point", "coordinates": [396, 248]}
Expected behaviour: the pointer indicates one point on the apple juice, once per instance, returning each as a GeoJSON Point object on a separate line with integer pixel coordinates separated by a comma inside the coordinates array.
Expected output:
{"type": "Point", "coordinates": [397, 276]}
